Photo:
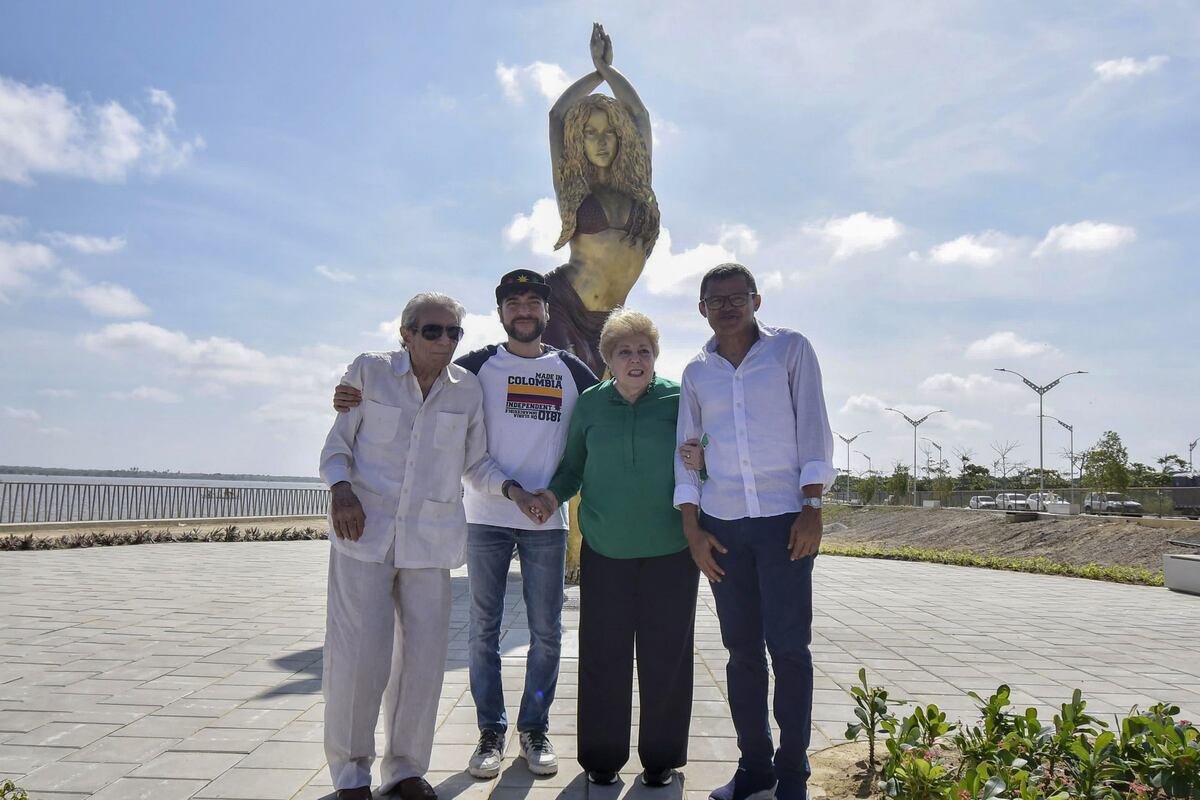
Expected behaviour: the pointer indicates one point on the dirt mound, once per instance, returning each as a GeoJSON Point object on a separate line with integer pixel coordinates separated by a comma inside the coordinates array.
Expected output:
{"type": "Point", "coordinates": [1066, 540]}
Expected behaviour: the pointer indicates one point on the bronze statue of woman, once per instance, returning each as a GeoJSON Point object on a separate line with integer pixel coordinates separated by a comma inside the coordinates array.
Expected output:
{"type": "Point", "coordinates": [600, 151]}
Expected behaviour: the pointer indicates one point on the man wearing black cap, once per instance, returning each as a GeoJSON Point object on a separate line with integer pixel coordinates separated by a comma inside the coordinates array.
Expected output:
{"type": "Point", "coordinates": [529, 392]}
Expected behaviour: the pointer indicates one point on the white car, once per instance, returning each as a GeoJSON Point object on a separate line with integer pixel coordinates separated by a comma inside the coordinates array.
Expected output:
{"type": "Point", "coordinates": [981, 501]}
{"type": "Point", "coordinates": [1038, 502]}
{"type": "Point", "coordinates": [1011, 501]}
{"type": "Point", "coordinates": [1111, 503]}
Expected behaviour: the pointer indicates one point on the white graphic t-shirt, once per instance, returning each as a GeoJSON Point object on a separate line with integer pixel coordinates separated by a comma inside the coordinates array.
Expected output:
{"type": "Point", "coordinates": [527, 405]}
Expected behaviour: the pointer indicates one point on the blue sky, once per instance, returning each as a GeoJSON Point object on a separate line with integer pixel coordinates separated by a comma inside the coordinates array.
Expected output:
{"type": "Point", "coordinates": [206, 210]}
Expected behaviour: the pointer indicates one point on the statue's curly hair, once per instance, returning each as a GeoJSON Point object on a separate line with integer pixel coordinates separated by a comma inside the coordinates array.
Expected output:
{"type": "Point", "coordinates": [629, 174]}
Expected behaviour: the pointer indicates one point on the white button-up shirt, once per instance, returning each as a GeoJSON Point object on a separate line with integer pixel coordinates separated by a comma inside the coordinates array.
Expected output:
{"type": "Point", "coordinates": [405, 456]}
{"type": "Point", "coordinates": [768, 431]}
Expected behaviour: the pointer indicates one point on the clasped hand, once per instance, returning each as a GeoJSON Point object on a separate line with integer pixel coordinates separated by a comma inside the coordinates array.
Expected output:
{"type": "Point", "coordinates": [538, 505]}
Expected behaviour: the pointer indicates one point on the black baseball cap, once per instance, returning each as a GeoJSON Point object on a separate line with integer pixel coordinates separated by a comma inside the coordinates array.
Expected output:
{"type": "Point", "coordinates": [522, 280]}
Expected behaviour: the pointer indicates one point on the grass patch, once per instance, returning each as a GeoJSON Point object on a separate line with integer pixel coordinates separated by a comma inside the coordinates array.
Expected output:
{"type": "Point", "coordinates": [1038, 565]}
{"type": "Point", "coordinates": [228, 533]}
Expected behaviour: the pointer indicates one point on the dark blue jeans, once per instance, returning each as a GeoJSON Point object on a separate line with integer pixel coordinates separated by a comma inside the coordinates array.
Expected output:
{"type": "Point", "coordinates": [489, 554]}
{"type": "Point", "coordinates": [765, 598]}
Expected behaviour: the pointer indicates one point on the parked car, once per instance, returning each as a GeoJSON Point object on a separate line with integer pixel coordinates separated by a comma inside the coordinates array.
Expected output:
{"type": "Point", "coordinates": [981, 501]}
{"type": "Point", "coordinates": [1111, 503]}
{"type": "Point", "coordinates": [1038, 501]}
{"type": "Point", "coordinates": [1011, 501]}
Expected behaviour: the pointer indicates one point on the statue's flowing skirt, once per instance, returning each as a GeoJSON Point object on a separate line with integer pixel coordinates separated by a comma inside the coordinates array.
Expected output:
{"type": "Point", "coordinates": [572, 326]}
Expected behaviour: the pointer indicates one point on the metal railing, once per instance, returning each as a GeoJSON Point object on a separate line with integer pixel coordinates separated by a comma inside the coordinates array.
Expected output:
{"type": "Point", "coordinates": [24, 502]}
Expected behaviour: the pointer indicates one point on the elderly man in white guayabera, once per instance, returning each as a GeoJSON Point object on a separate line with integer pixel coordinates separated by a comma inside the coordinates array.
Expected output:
{"type": "Point", "coordinates": [395, 465]}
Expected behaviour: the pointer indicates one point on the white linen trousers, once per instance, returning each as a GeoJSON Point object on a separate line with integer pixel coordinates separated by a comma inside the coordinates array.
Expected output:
{"type": "Point", "coordinates": [386, 636]}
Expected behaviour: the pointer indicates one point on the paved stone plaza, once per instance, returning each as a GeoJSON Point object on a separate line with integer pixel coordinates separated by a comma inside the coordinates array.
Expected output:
{"type": "Point", "coordinates": [193, 670]}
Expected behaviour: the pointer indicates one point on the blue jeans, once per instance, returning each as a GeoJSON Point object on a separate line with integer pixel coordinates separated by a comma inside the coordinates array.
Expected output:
{"type": "Point", "coordinates": [543, 559]}
{"type": "Point", "coordinates": [765, 597]}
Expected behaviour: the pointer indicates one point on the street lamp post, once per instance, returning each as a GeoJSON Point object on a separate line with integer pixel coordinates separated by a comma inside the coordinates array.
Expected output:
{"type": "Point", "coordinates": [1071, 430]}
{"type": "Point", "coordinates": [1041, 392]}
{"type": "Point", "coordinates": [916, 423]}
{"type": "Point", "coordinates": [868, 458]}
{"type": "Point", "coordinates": [848, 441]}
{"type": "Point", "coordinates": [936, 446]}
{"type": "Point", "coordinates": [1192, 447]}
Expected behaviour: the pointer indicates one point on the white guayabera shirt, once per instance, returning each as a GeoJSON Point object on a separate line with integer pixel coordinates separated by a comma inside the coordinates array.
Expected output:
{"type": "Point", "coordinates": [405, 458]}
{"type": "Point", "coordinates": [767, 428]}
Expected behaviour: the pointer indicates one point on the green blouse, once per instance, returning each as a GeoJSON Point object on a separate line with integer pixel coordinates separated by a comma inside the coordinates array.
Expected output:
{"type": "Point", "coordinates": [623, 457]}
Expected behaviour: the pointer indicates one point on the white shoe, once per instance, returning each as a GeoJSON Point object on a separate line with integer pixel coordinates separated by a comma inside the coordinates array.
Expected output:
{"type": "Point", "coordinates": [485, 761]}
{"type": "Point", "coordinates": [539, 753]}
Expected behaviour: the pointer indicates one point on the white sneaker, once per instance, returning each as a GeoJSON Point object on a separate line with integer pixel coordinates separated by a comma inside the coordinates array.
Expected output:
{"type": "Point", "coordinates": [485, 761]}
{"type": "Point", "coordinates": [539, 753]}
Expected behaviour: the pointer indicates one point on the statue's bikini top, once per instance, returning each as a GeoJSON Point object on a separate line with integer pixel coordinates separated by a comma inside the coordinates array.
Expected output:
{"type": "Point", "coordinates": [590, 218]}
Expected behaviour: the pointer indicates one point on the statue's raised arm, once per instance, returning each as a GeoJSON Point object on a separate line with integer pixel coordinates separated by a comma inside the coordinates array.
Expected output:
{"type": "Point", "coordinates": [600, 150]}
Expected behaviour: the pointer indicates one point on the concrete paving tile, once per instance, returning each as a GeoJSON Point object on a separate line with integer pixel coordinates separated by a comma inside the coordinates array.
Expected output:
{"type": "Point", "coordinates": [122, 750]}
{"type": "Point", "coordinates": [64, 734]}
{"type": "Point", "coordinates": [190, 766]}
{"type": "Point", "coordinates": [286, 755]}
{"type": "Point", "coordinates": [167, 727]}
{"type": "Point", "coordinates": [20, 759]}
{"type": "Point", "coordinates": [257, 784]}
{"type": "Point", "coordinates": [224, 740]}
{"type": "Point", "coordinates": [149, 789]}
{"type": "Point", "coordinates": [74, 776]}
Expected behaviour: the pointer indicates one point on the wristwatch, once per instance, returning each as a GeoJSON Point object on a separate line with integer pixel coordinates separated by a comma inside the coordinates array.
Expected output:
{"type": "Point", "coordinates": [812, 502]}
{"type": "Point", "coordinates": [508, 484]}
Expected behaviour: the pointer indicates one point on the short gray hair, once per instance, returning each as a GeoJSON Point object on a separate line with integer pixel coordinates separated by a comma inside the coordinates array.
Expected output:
{"type": "Point", "coordinates": [412, 311]}
{"type": "Point", "coordinates": [622, 323]}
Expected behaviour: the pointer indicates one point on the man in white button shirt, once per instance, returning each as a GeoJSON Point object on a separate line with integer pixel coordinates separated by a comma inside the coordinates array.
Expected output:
{"type": "Point", "coordinates": [754, 523]}
{"type": "Point", "coordinates": [395, 466]}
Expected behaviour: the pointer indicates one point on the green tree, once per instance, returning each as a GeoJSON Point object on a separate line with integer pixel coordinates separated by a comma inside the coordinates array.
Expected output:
{"type": "Point", "coordinates": [1106, 467]}
{"type": "Point", "coordinates": [975, 477]}
{"type": "Point", "coordinates": [1170, 464]}
{"type": "Point", "coordinates": [897, 483]}
{"type": "Point", "coordinates": [868, 487]}
{"type": "Point", "coordinates": [1144, 475]}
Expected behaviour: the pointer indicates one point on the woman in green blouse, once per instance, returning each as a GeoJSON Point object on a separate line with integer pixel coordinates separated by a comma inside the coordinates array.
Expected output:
{"type": "Point", "coordinates": [638, 582]}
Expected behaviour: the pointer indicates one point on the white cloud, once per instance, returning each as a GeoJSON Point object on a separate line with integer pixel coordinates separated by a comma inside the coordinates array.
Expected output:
{"type": "Point", "coordinates": [539, 229]}
{"type": "Point", "coordinates": [53, 431]}
{"type": "Point", "coordinates": [151, 394]}
{"type": "Point", "coordinates": [88, 245]}
{"type": "Point", "coordinates": [1125, 68]}
{"type": "Point", "coordinates": [867, 403]}
{"type": "Point", "coordinates": [770, 280]}
{"type": "Point", "coordinates": [1085, 237]}
{"type": "Point", "coordinates": [11, 224]}
{"type": "Point", "coordinates": [662, 131]}
{"type": "Point", "coordinates": [975, 385]}
{"type": "Point", "coordinates": [974, 250]}
{"type": "Point", "coordinates": [858, 233]}
{"type": "Point", "coordinates": [671, 273]}
{"type": "Point", "coordinates": [335, 275]}
{"type": "Point", "coordinates": [56, 392]}
{"type": "Point", "coordinates": [8, 412]}
{"type": "Point", "coordinates": [549, 80]}
{"type": "Point", "coordinates": [219, 359]}
{"type": "Point", "coordinates": [110, 300]}
{"type": "Point", "coordinates": [18, 260]}
{"type": "Point", "coordinates": [43, 132]}
{"type": "Point", "coordinates": [1006, 344]}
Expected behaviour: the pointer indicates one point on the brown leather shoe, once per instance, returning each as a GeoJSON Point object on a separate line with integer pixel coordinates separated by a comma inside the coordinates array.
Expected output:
{"type": "Point", "coordinates": [415, 788]}
{"type": "Point", "coordinates": [357, 793]}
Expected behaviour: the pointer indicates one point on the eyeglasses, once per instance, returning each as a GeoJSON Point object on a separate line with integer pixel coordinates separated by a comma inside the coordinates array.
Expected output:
{"type": "Point", "coordinates": [434, 332]}
{"type": "Point", "coordinates": [718, 301]}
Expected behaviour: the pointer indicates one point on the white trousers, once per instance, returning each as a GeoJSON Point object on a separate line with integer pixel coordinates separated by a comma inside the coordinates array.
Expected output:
{"type": "Point", "coordinates": [386, 634]}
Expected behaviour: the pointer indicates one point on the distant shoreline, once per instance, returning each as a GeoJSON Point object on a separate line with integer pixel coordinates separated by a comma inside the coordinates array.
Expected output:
{"type": "Point", "coordinates": [153, 473]}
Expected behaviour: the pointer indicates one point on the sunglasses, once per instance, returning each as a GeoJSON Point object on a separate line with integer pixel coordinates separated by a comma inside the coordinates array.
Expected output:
{"type": "Point", "coordinates": [434, 332]}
